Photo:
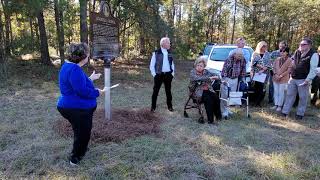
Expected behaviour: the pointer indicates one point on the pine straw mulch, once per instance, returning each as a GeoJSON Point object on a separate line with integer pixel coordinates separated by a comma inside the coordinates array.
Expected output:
{"type": "Point", "coordinates": [125, 124]}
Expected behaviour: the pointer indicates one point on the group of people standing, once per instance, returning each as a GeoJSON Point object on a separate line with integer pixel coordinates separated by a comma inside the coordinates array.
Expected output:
{"type": "Point", "coordinates": [293, 74]}
{"type": "Point", "coordinates": [284, 72]}
{"type": "Point", "coordinates": [77, 101]}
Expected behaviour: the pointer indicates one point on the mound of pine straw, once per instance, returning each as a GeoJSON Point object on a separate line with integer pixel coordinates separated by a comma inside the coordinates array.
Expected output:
{"type": "Point", "coordinates": [125, 123]}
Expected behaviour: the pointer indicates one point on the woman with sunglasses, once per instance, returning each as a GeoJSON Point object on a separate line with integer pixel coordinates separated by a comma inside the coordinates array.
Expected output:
{"type": "Point", "coordinates": [281, 69]}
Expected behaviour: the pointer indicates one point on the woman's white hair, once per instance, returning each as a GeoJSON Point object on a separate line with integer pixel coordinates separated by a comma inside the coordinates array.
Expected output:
{"type": "Point", "coordinates": [238, 51]}
{"type": "Point", "coordinates": [259, 46]}
{"type": "Point", "coordinates": [163, 40]}
{"type": "Point", "coordinates": [201, 59]}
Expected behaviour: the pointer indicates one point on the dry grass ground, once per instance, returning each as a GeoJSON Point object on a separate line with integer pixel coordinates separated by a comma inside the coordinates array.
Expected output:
{"type": "Point", "coordinates": [263, 147]}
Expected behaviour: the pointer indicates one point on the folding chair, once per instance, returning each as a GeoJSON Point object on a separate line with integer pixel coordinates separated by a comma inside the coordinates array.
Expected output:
{"type": "Point", "coordinates": [193, 102]}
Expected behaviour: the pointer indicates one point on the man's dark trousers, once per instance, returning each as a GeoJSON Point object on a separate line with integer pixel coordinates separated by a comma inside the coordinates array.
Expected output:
{"type": "Point", "coordinates": [270, 97]}
{"type": "Point", "coordinates": [315, 88]}
{"type": "Point", "coordinates": [165, 78]}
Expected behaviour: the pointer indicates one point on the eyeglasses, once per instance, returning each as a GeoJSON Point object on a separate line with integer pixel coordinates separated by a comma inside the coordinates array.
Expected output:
{"type": "Point", "coordinates": [303, 44]}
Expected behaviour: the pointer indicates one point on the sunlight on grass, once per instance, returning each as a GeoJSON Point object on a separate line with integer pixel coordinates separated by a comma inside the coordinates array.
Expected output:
{"type": "Point", "coordinates": [213, 150]}
{"type": "Point", "coordinates": [133, 72]}
{"type": "Point", "coordinates": [59, 175]}
{"type": "Point", "coordinates": [211, 140]}
{"type": "Point", "coordinates": [287, 124]}
{"type": "Point", "coordinates": [276, 165]}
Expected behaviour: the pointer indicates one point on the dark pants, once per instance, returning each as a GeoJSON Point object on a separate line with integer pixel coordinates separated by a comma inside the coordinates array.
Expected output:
{"type": "Point", "coordinates": [258, 92]}
{"type": "Point", "coordinates": [211, 103]}
{"type": "Point", "coordinates": [315, 88]}
{"type": "Point", "coordinates": [81, 121]}
{"type": "Point", "coordinates": [165, 78]}
{"type": "Point", "coordinates": [296, 102]}
{"type": "Point", "coordinates": [270, 97]}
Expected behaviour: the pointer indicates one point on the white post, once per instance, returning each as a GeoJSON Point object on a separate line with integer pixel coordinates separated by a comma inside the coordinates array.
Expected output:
{"type": "Point", "coordinates": [107, 102]}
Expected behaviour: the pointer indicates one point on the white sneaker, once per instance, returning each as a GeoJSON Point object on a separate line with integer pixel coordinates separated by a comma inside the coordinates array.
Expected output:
{"type": "Point", "coordinates": [274, 107]}
{"type": "Point", "coordinates": [224, 114]}
{"type": "Point", "coordinates": [279, 108]}
{"type": "Point", "coordinates": [73, 164]}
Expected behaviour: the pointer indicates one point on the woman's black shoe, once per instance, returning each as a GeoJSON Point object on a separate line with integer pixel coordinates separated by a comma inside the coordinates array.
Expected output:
{"type": "Point", "coordinates": [201, 120]}
{"type": "Point", "coordinates": [171, 109]}
{"type": "Point", "coordinates": [213, 123]}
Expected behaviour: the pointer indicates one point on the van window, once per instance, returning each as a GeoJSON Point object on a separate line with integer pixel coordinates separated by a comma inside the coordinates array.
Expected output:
{"type": "Point", "coordinates": [221, 54]}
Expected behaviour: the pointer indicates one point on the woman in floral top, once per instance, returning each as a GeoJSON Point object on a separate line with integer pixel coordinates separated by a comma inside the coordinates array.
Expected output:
{"type": "Point", "coordinates": [201, 85]}
{"type": "Point", "coordinates": [260, 63]}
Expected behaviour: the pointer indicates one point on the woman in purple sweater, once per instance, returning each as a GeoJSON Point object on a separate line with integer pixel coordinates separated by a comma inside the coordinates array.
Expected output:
{"type": "Point", "coordinates": [77, 101]}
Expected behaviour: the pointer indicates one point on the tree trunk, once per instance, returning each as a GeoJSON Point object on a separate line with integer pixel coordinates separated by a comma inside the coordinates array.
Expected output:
{"type": "Point", "coordinates": [92, 7]}
{"type": "Point", "coordinates": [172, 14]}
{"type": "Point", "coordinates": [37, 30]}
{"type": "Point", "coordinates": [225, 30]}
{"type": "Point", "coordinates": [58, 14]}
{"type": "Point", "coordinates": [128, 42]}
{"type": "Point", "coordinates": [31, 29]}
{"type": "Point", "coordinates": [123, 39]}
{"type": "Point", "coordinates": [43, 39]}
{"type": "Point", "coordinates": [3, 60]}
{"type": "Point", "coordinates": [83, 21]}
{"type": "Point", "coordinates": [189, 11]}
{"type": "Point", "coordinates": [11, 34]}
{"type": "Point", "coordinates": [234, 21]}
{"type": "Point", "coordinates": [179, 16]}
{"type": "Point", "coordinates": [278, 38]}
{"type": "Point", "coordinates": [61, 38]}
{"type": "Point", "coordinates": [219, 28]}
{"type": "Point", "coordinates": [7, 18]}
{"type": "Point", "coordinates": [142, 43]}
{"type": "Point", "coordinates": [56, 18]}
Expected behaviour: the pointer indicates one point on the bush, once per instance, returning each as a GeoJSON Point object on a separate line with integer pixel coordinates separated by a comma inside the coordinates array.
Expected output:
{"type": "Point", "coordinates": [24, 45]}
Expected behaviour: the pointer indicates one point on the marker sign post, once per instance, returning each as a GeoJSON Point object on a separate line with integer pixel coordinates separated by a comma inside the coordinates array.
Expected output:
{"type": "Point", "coordinates": [105, 45]}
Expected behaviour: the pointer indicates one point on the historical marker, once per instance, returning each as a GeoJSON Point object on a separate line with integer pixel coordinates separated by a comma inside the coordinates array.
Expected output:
{"type": "Point", "coordinates": [105, 36]}
{"type": "Point", "coordinates": [105, 45]}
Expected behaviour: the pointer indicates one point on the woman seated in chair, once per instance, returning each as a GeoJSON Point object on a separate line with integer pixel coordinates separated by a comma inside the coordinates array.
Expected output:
{"type": "Point", "coordinates": [202, 79]}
